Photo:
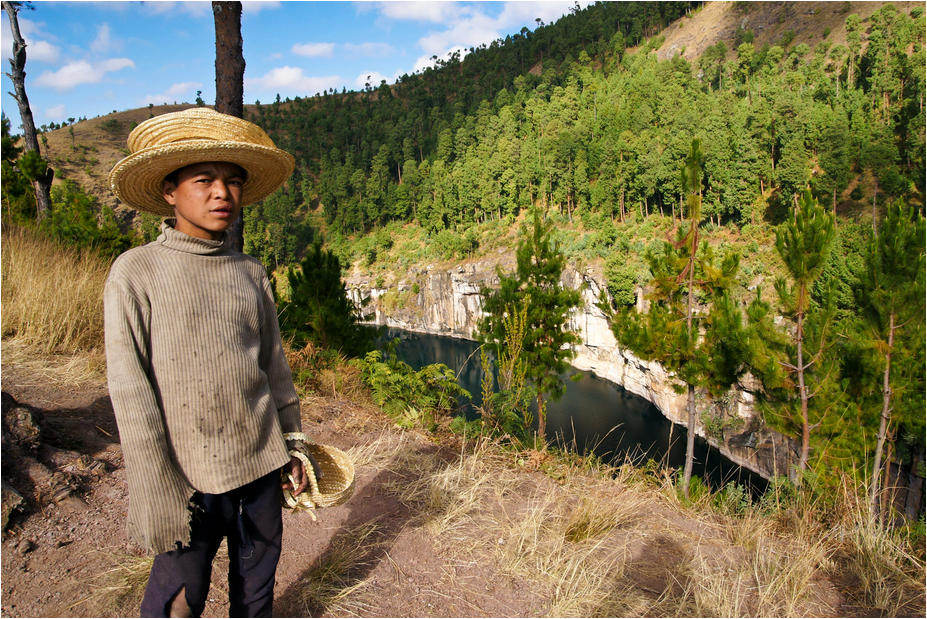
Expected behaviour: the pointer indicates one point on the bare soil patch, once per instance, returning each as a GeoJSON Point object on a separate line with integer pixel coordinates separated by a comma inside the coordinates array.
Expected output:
{"type": "Point", "coordinates": [812, 22]}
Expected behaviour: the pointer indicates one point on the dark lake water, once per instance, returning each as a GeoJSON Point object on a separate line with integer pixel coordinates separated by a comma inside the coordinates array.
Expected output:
{"type": "Point", "coordinates": [593, 414]}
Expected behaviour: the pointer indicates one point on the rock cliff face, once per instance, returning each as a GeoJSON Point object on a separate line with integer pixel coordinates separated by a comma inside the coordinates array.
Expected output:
{"type": "Point", "coordinates": [447, 301]}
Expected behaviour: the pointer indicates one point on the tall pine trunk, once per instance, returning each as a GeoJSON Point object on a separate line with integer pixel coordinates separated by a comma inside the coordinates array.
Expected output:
{"type": "Point", "coordinates": [885, 418]}
{"type": "Point", "coordinates": [690, 441]}
{"type": "Point", "coordinates": [18, 77]}
{"type": "Point", "coordinates": [802, 390]}
{"type": "Point", "coordinates": [690, 396]}
{"type": "Point", "coordinates": [542, 421]}
{"type": "Point", "coordinates": [230, 73]}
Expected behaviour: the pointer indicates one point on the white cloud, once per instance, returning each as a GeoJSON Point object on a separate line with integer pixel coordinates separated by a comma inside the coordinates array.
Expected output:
{"type": "Point", "coordinates": [256, 6]}
{"type": "Point", "coordinates": [195, 9]}
{"type": "Point", "coordinates": [177, 92]}
{"type": "Point", "coordinates": [292, 80]}
{"type": "Point", "coordinates": [369, 49]}
{"type": "Point", "coordinates": [419, 11]}
{"type": "Point", "coordinates": [115, 64]}
{"type": "Point", "coordinates": [104, 41]}
{"type": "Point", "coordinates": [81, 72]}
{"type": "Point", "coordinates": [56, 112]}
{"type": "Point", "coordinates": [314, 50]}
{"type": "Point", "coordinates": [371, 77]}
{"type": "Point", "coordinates": [41, 51]}
{"type": "Point", "coordinates": [37, 49]}
{"type": "Point", "coordinates": [469, 32]}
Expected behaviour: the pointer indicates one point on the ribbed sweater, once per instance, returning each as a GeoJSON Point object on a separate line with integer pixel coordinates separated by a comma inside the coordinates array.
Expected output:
{"type": "Point", "coordinates": [200, 386]}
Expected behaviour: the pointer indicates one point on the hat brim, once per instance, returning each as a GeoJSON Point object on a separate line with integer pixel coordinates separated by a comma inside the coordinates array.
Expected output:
{"type": "Point", "coordinates": [137, 179]}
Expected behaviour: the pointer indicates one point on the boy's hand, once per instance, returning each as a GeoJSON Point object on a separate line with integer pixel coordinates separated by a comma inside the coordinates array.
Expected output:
{"type": "Point", "coordinates": [296, 470]}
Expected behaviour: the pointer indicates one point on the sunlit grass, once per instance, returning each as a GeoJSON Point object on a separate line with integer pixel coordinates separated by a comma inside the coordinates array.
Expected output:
{"type": "Point", "coordinates": [52, 295]}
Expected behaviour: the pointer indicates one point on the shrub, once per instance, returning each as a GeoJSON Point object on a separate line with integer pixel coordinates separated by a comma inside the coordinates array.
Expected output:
{"type": "Point", "coordinates": [319, 309]}
{"type": "Point", "coordinates": [621, 280]}
{"type": "Point", "coordinates": [397, 388]}
{"type": "Point", "coordinates": [73, 220]}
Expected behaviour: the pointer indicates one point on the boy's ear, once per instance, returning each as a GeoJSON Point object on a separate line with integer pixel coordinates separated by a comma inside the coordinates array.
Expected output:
{"type": "Point", "coordinates": [167, 191]}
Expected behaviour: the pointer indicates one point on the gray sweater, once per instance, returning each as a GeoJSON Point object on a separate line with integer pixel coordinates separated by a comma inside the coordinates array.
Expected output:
{"type": "Point", "coordinates": [197, 375]}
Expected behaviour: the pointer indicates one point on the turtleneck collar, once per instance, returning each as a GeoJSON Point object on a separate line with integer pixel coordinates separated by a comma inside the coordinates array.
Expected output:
{"type": "Point", "coordinates": [174, 239]}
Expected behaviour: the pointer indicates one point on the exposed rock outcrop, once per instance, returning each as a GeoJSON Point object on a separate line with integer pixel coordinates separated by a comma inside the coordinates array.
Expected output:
{"type": "Point", "coordinates": [446, 301]}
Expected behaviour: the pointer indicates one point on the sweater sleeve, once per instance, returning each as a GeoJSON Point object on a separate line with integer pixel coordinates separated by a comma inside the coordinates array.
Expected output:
{"type": "Point", "coordinates": [274, 364]}
{"type": "Point", "coordinates": [158, 513]}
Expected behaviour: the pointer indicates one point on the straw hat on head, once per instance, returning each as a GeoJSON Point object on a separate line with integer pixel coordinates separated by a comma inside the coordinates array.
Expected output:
{"type": "Point", "coordinates": [168, 142]}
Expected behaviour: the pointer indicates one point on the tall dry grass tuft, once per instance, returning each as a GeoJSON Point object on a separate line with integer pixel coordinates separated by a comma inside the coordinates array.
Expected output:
{"type": "Point", "coordinates": [566, 551]}
{"type": "Point", "coordinates": [52, 295]}
{"type": "Point", "coordinates": [889, 568]}
{"type": "Point", "coordinates": [448, 498]}
{"type": "Point", "coordinates": [117, 588]}
{"type": "Point", "coordinates": [331, 585]}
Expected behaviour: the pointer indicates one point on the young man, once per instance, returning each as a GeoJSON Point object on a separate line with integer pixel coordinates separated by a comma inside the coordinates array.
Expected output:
{"type": "Point", "coordinates": [202, 392]}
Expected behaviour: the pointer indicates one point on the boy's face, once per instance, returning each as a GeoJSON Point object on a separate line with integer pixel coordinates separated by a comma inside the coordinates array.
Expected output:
{"type": "Point", "coordinates": [206, 198]}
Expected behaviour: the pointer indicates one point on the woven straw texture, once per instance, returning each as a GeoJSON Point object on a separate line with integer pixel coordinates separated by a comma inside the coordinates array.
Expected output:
{"type": "Point", "coordinates": [167, 142]}
{"type": "Point", "coordinates": [337, 484]}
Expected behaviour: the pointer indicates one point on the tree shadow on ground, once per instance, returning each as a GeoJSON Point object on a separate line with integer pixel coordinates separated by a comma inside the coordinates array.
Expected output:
{"type": "Point", "coordinates": [652, 583]}
{"type": "Point", "coordinates": [364, 539]}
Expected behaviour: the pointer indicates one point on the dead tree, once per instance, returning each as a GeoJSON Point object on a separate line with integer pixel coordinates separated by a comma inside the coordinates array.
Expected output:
{"type": "Point", "coordinates": [41, 182]}
{"type": "Point", "coordinates": [230, 73]}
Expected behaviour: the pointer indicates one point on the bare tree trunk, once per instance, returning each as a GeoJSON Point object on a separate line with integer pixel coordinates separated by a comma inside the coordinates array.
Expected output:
{"type": "Point", "coordinates": [690, 398]}
{"type": "Point", "coordinates": [542, 421]}
{"type": "Point", "coordinates": [690, 441]}
{"type": "Point", "coordinates": [230, 73]}
{"type": "Point", "coordinates": [18, 77]}
{"type": "Point", "coordinates": [803, 394]}
{"type": "Point", "coordinates": [885, 418]}
{"type": "Point", "coordinates": [888, 494]}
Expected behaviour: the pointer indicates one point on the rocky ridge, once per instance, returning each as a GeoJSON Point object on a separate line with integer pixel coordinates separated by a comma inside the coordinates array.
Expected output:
{"type": "Point", "coordinates": [446, 300]}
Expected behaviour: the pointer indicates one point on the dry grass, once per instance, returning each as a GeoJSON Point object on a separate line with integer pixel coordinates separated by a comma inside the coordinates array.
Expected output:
{"type": "Point", "coordinates": [579, 538]}
{"type": "Point", "coordinates": [119, 587]}
{"type": "Point", "coordinates": [889, 569]}
{"type": "Point", "coordinates": [52, 295]}
{"type": "Point", "coordinates": [61, 370]}
{"type": "Point", "coordinates": [448, 499]}
{"type": "Point", "coordinates": [331, 585]}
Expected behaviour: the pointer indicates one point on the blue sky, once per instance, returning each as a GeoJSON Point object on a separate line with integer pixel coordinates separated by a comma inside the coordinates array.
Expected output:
{"type": "Point", "coordinates": [90, 58]}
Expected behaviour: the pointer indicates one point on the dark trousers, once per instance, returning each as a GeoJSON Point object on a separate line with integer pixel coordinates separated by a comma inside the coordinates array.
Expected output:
{"type": "Point", "coordinates": [250, 517]}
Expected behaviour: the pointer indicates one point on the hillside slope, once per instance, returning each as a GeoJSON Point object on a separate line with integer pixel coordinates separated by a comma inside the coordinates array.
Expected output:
{"type": "Point", "coordinates": [811, 22]}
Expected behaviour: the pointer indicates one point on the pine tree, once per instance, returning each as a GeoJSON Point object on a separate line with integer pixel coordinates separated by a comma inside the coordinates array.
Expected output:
{"type": "Point", "coordinates": [803, 242]}
{"type": "Point", "coordinates": [536, 284]}
{"type": "Point", "coordinates": [705, 349]}
{"type": "Point", "coordinates": [892, 297]}
{"type": "Point", "coordinates": [319, 309]}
